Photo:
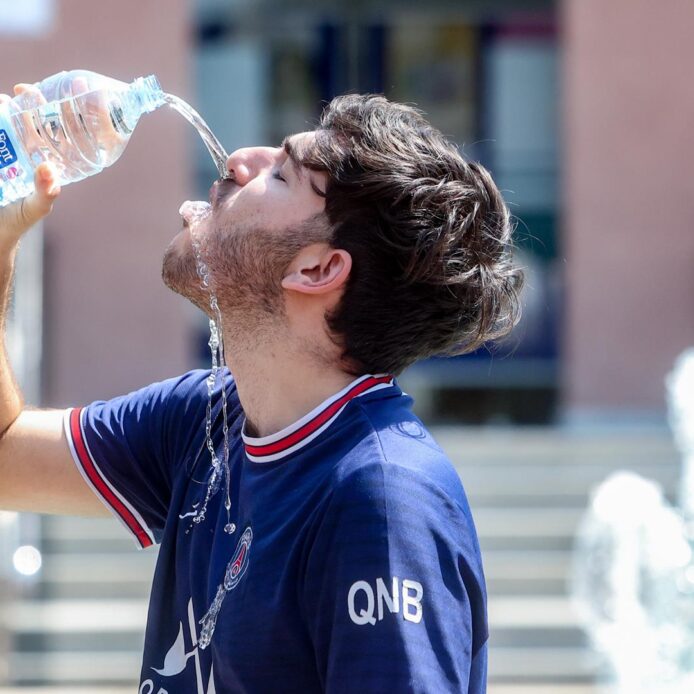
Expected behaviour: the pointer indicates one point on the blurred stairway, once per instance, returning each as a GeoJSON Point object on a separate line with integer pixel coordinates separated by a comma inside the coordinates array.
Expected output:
{"type": "Point", "coordinates": [82, 625]}
{"type": "Point", "coordinates": [83, 621]}
{"type": "Point", "coordinates": [528, 489]}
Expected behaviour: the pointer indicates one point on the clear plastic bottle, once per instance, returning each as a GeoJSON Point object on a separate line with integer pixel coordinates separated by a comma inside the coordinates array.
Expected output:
{"type": "Point", "coordinates": [79, 120]}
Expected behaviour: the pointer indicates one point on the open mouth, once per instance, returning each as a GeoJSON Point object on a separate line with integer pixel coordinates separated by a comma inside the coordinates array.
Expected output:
{"type": "Point", "coordinates": [192, 211]}
{"type": "Point", "coordinates": [220, 189]}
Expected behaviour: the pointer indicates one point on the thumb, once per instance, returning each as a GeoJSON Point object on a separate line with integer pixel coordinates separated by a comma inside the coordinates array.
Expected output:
{"type": "Point", "coordinates": [40, 202]}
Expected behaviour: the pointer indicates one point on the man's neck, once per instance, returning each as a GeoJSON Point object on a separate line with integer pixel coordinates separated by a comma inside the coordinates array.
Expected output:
{"type": "Point", "coordinates": [277, 386]}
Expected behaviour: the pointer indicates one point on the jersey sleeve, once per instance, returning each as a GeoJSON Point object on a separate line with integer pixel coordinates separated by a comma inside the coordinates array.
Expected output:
{"type": "Point", "coordinates": [128, 449]}
{"type": "Point", "coordinates": [394, 592]}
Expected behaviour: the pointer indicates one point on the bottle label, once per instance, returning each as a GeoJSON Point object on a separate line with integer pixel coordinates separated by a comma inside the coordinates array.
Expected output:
{"type": "Point", "coordinates": [7, 154]}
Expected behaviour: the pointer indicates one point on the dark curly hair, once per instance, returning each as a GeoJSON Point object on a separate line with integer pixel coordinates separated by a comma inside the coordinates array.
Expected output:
{"type": "Point", "coordinates": [429, 234]}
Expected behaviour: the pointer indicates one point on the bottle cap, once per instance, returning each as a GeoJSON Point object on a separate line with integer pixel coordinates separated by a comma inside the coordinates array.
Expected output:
{"type": "Point", "coordinates": [149, 93]}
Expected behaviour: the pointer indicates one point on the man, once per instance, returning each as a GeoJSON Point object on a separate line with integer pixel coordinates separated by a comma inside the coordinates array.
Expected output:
{"type": "Point", "coordinates": [347, 560]}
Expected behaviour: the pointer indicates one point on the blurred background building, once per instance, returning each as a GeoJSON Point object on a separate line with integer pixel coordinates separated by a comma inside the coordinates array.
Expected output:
{"type": "Point", "coordinates": [582, 112]}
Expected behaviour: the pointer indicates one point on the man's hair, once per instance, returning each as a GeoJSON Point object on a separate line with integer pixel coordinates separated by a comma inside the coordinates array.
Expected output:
{"type": "Point", "coordinates": [428, 232]}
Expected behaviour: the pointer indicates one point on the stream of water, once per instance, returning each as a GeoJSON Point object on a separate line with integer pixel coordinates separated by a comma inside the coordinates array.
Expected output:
{"type": "Point", "coordinates": [220, 467]}
{"type": "Point", "coordinates": [214, 146]}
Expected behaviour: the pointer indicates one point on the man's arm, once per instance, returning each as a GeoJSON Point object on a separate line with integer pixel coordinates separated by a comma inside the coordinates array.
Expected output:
{"type": "Point", "coordinates": [37, 472]}
{"type": "Point", "coordinates": [393, 592]}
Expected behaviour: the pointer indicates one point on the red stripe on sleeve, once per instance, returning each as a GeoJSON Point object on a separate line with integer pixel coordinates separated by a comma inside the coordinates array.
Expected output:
{"type": "Point", "coordinates": [96, 478]}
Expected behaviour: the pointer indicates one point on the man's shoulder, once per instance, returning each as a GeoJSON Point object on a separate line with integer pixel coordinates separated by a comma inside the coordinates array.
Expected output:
{"type": "Point", "coordinates": [188, 390]}
{"type": "Point", "coordinates": [171, 404]}
{"type": "Point", "coordinates": [398, 457]}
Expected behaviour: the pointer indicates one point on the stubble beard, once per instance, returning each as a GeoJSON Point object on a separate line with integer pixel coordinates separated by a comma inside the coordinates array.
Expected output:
{"type": "Point", "coordinates": [246, 267]}
{"type": "Point", "coordinates": [179, 273]}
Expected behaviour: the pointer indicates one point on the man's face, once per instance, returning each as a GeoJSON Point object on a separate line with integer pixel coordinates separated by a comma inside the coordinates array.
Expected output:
{"type": "Point", "coordinates": [249, 232]}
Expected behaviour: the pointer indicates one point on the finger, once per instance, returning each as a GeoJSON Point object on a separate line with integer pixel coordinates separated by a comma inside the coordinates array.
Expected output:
{"type": "Point", "coordinates": [23, 87]}
{"type": "Point", "coordinates": [46, 190]}
{"type": "Point", "coordinates": [29, 93]}
{"type": "Point", "coordinates": [46, 179]}
{"type": "Point", "coordinates": [78, 120]}
{"type": "Point", "coordinates": [28, 98]}
{"type": "Point", "coordinates": [80, 85]}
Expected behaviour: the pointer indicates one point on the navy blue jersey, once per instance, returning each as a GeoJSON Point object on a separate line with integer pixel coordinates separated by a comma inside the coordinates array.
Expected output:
{"type": "Point", "coordinates": [353, 566]}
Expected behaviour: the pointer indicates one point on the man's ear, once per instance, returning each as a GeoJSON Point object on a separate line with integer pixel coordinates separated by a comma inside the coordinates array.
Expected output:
{"type": "Point", "coordinates": [318, 269]}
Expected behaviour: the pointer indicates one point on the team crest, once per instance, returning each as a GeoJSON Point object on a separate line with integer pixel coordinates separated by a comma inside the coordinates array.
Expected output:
{"type": "Point", "coordinates": [239, 562]}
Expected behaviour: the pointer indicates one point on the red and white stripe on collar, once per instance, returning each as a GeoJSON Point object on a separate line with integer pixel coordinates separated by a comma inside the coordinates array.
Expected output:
{"type": "Point", "coordinates": [276, 446]}
{"type": "Point", "coordinates": [95, 478]}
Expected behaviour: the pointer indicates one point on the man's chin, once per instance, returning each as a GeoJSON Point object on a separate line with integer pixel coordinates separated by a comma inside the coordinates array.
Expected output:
{"type": "Point", "coordinates": [179, 272]}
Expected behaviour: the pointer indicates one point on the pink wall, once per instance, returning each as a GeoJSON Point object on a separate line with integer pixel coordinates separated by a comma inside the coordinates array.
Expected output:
{"type": "Point", "coordinates": [629, 199]}
{"type": "Point", "coordinates": [111, 325]}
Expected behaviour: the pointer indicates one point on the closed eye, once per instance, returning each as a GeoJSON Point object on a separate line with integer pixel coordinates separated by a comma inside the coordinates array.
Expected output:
{"type": "Point", "coordinates": [276, 174]}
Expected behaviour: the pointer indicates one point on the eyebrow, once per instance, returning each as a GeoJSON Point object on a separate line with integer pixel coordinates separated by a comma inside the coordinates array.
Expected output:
{"type": "Point", "coordinates": [289, 148]}
{"type": "Point", "coordinates": [297, 164]}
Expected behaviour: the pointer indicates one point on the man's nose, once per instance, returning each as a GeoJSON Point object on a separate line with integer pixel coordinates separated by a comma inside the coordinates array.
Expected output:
{"type": "Point", "coordinates": [247, 163]}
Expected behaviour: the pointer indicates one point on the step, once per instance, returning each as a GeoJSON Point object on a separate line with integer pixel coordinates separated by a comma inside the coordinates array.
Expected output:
{"type": "Point", "coordinates": [103, 567]}
{"type": "Point", "coordinates": [540, 621]}
{"type": "Point", "coordinates": [554, 665]}
{"type": "Point", "coordinates": [523, 612]}
{"type": "Point", "coordinates": [553, 521]}
{"type": "Point", "coordinates": [521, 523]}
{"type": "Point", "coordinates": [533, 587]}
{"type": "Point", "coordinates": [104, 529]}
{"type": "Point", "coordinates": [95, 616]}
{"type": "Point", "coordinates": [546, 521]}
{"type": "Point", "coordinates": [522, 565]}
{"type": "Point", "coordinates": [540, 564]}
{"type": "Point", "coordinates": [553, 481]}
{"type": "Point", "coordinates": [86, 536]}
{"type": "Point", "coordinates": [548, 665]}
{"type": "Point", "coordinates": [118, 590]}
{"type": "Point", "coordinates": [62, 667]}
{"type": "Point", "coordinates": [70, 616]}
{"type": "Point", "coordinates": [554, 445]}
{"type": "Point", "coordinates": [104, 641]}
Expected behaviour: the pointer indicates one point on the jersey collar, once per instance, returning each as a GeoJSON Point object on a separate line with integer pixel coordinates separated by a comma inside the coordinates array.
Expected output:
{"type": "Point", "coordinates": [271, 448]}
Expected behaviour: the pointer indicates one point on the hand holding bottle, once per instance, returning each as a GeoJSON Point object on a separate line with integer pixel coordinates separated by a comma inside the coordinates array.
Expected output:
{"type": "Point", "coordinates": [18, 217]}
{"type": "Point", "coordinates": [79, 120]}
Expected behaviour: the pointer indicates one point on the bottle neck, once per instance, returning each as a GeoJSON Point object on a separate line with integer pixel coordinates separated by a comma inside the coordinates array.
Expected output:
{"type": "Point", "coordinates": [149, 92]}
{"type": "Point", "coordinates": [143, 95]}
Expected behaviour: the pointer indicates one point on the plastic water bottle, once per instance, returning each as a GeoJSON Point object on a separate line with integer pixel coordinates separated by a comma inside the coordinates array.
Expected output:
{"type": "Point", "coordinates": [79, 120]}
